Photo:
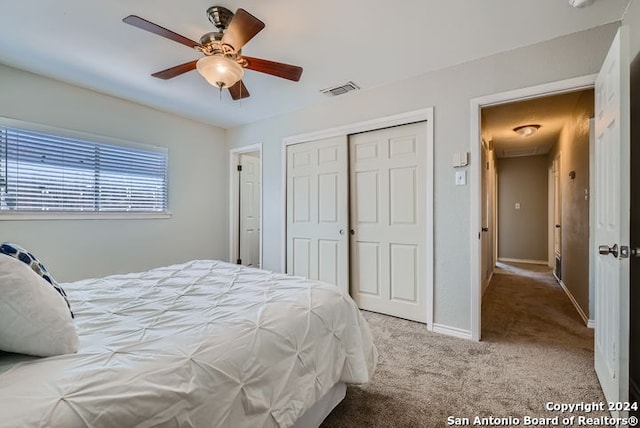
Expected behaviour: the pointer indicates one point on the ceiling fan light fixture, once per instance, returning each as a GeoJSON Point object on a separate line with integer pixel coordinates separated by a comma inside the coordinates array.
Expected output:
{"type": "Point", "coordinates": [526, 130]}
{"type": "Point", "coordinates": [220, 71]}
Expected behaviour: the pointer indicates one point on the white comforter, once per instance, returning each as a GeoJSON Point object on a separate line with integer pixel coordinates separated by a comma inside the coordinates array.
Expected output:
{"type": "Point", "coordinates": [200, 344]}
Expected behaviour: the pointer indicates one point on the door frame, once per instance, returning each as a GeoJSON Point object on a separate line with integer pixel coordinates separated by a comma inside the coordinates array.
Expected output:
{"type": "Point", "coordinates": [234, 212]}
{"type": "Point", "coordinates": [551, 205]}
{"type": "Point", "coordinates": [491, 187]}
{"type": "Point", "coordinates": [476, 104]}
{"type": "Point", "coordinates": [555, 204]}
{"type": "Point", "coordinates": [422, 115]}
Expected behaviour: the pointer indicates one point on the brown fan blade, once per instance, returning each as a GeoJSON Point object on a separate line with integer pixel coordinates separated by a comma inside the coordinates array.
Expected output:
{"type": "Point", "coordinates": [241, 29]}
{"type": "Point", "coordinates": [286, 71]}
{"type": "Point", "coordinates": [142, 23]}
{"type": "Point", "coordinates": [172, 72]}
{"type": "Point", "coordinates": [239, 91]}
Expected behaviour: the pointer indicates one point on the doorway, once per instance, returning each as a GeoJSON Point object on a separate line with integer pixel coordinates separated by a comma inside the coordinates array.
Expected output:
{"type": "Point", "coordinates": [610, 225]}
{"type": "Point", "coordinates": [506, 102]}
{"type": "Point", "coordinates": [544, 176]}
{"type": "Point", "coordinates": [245, 214]}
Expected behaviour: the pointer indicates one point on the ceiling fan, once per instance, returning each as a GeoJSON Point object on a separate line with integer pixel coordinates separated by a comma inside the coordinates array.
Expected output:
{"type": "Point", "coordinates": [222, 64]}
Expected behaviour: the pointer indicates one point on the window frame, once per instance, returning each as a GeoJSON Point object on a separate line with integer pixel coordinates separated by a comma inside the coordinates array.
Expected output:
{"type": "Point", "coordinates": [85, 215]}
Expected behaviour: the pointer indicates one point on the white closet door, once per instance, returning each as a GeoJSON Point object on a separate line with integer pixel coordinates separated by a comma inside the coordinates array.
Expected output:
{"type": "Point", "coordinates": [250, 210]}
{"type": "Point", "coordinates": [388, 220]}
{"type": "Point", "coordinates": [317, 211]}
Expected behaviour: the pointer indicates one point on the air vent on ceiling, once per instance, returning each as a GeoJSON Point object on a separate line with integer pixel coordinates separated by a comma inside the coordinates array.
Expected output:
{"type": "Point", "coordinates": [341, 89]}
{"type": "Point", "coordinates": [514, 153]}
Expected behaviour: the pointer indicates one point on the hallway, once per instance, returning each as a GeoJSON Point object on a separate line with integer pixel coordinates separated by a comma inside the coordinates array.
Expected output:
{"type": "Point", "coordinates": [525, 303]}
{"type": "Point", "coordinates": [545, 342]}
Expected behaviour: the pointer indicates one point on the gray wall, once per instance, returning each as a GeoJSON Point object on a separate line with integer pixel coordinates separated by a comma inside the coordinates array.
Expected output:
{"type": "Point", "coordinates": [449, 91]}
{"type": "Point", "coordinates": [522, 233]}
{"type": "Point", "coordinates": [573, 145]}
{"type": "Point", "coordinates": [198, 157]}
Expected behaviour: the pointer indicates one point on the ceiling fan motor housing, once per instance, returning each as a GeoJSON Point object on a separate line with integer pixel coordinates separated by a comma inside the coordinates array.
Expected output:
{"type": "Point", "coordinates": [219, 17]}
{"type": "Point", "coordinates": [211, 44]}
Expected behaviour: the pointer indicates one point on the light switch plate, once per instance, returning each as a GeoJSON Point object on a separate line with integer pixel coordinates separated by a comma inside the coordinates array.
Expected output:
{"type": "Point", "coordinates": [460, 159]}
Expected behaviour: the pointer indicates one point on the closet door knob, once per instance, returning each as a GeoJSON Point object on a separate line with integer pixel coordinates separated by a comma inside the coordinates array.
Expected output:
{"type": "Point", "coordinates": [352, 232]}
{"type": "Point", "coordinates": [606, 250]}
{"type": "Point", "coordinates": [341, 232]}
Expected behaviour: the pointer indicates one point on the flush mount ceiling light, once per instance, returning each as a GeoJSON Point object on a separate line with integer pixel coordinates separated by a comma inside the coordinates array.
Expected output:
{"type": "Point", "coordinates": [581, 3]}
{"type": "Point", "coordinates": [526, 130]}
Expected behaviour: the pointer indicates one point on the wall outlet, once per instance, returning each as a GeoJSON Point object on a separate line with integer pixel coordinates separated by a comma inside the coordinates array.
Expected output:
{"type": "Point", "coordinates": [461, 178]}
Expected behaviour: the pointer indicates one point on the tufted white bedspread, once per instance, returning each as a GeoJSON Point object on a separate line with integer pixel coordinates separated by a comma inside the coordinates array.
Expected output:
{"type": "Point", "coordinates": [199, 344]}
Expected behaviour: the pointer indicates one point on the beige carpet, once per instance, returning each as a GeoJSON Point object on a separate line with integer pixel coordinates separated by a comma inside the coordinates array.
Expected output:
{"type": "Point", "coordinates": [534, 349]}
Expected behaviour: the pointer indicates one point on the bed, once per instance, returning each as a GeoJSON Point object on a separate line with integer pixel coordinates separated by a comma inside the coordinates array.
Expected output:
{"type": "Point", "coordinates": [199, 344]}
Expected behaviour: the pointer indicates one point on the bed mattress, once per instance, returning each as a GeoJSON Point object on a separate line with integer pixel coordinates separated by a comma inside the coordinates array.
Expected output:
{"type": "Point", "coordinates": [199, 344]}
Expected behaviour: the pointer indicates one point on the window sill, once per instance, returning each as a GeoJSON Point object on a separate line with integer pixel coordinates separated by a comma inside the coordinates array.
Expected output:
{"type": "Point", "coordinates": [84, 215]}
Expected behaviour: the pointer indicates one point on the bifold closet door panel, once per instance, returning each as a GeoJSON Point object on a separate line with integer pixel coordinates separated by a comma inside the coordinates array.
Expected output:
{"type": "Point", "coordinates": [388, 220]}
{"type": "Point", "coordinates": [317, 211]}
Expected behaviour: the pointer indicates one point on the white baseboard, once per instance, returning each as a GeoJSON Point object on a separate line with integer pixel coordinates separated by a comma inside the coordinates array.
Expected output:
{"type": "Point", "coordinates": [591, 323]}
{"type": "Point", "coordinates": [584, 317]}
{"type": "Point", "coordinates": [452, 331]}
{"type": "Point", "coordinates": [529, 261]}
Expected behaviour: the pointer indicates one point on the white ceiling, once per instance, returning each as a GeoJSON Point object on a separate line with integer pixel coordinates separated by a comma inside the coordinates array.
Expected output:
{"type": "Point", "coordinates": [372, 43]}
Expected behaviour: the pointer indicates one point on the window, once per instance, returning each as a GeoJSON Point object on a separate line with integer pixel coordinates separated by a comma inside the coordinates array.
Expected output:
{"type": "Point", "coordinates": [44, 171]}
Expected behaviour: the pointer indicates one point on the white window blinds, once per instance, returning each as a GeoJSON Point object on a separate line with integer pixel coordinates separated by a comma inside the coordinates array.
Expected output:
{"type": "Point", "coordinates": [44, 172]}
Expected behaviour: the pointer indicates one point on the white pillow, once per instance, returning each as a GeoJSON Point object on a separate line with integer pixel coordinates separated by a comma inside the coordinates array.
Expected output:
{"type": "Point", "coordinates": [34, 317]}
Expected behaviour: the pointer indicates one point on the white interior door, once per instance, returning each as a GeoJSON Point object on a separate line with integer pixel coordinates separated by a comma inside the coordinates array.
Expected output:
{"type": "Point", "coordinates": [318, 211]}
{"type": "Point", "coordinates": [486, 206]}
{"type": "Point", "coordinates": [388, 220]}
{"type": "Point", "coordinates": [557, 210]}
{"type": "Point", "coordinates": [612, 221]}
{"type": "Point", "coordinates": [250, 210]}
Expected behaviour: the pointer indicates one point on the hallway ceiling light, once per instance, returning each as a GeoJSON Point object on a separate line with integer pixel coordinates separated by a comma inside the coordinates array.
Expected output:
{"type": "Point", "coordinates": [526, 130]}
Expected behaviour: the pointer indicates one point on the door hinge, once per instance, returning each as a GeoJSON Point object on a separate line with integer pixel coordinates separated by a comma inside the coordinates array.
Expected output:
{"type": "Point", "coordinates": [239, 168]}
